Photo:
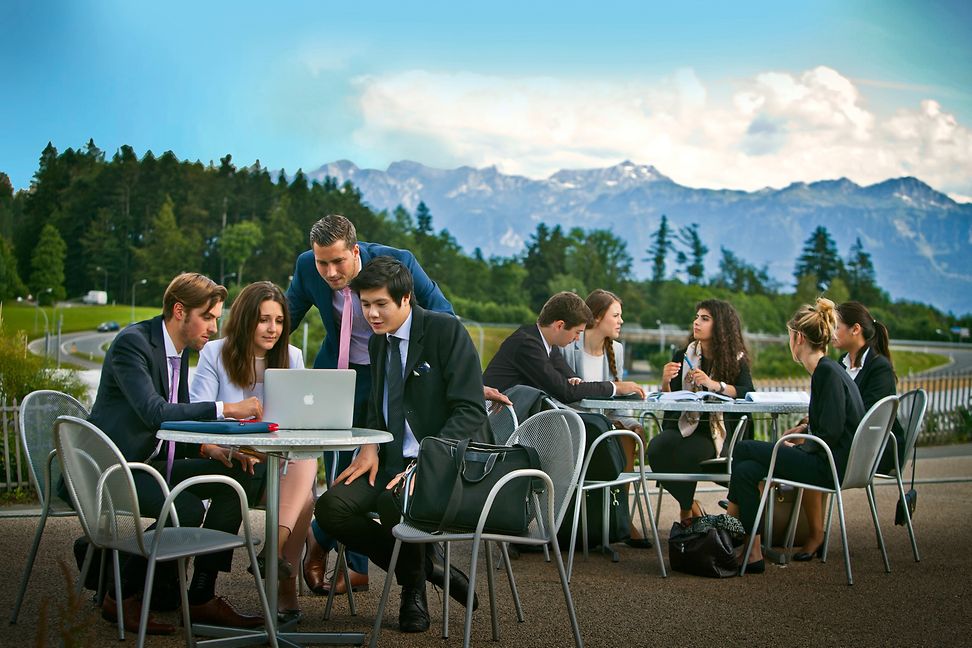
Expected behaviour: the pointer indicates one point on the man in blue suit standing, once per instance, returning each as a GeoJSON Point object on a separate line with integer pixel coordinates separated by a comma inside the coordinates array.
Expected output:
{"type": "Point", "coordinates": [321, 278]}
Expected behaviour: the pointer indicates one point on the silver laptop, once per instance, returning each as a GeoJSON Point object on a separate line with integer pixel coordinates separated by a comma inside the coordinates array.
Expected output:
{"type": "Point", "coordinates": [309, 399]}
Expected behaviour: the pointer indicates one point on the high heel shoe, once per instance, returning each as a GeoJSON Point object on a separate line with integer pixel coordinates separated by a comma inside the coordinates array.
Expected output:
{"type": "Point", "coordinates": [756, 567]}
{"type": "Point", "coordinates": [284, 569]}
{"type": "Point", "coordinates": [807, 556]}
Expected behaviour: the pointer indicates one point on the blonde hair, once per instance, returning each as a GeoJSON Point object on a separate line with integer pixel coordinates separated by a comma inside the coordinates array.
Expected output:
{"type": "Point", "coordinates": [816, 322]}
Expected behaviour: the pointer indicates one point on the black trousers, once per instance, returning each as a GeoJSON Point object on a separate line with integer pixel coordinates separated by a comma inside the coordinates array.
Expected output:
{"type": "Point", "coordinates": [672, 453]}
{"type": "Point", "coordinates": [750, 465]}
{"type": "Point", "coordinates": [223, 513]}
{"type": "Point", "coordinates": [344, 513]}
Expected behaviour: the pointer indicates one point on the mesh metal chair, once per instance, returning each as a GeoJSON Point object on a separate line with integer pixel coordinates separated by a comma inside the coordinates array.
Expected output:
{"type": "Point", "coordinates": [870, 439]}
{"type": "Point", "coordinates": [38, 411]}
{"type": "Point", "coordinates": [558, 436]}
{"type": "Point", "coordinates": [100, 484]}
{"type": "Point", "coordinates": [580, 511]}
{"type": "Point", "coordinates": [502, 422]}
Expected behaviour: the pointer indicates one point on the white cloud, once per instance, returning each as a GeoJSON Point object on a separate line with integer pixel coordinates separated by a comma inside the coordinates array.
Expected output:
{"type": "Point", "coordinates": [776, 128]}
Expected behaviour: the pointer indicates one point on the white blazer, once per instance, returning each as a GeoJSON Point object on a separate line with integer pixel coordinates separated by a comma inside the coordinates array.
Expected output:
{"type": "Point", "coordinates": [210, 382]}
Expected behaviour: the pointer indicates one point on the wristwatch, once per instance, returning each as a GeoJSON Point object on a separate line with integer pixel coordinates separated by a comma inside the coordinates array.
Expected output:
{"type": "Point", "coordinates": [722, 387]}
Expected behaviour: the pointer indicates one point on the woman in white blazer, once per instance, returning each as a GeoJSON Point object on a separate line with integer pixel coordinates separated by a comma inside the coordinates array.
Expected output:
{"type": "Point", "coordinates": [230, 369]}
{"type": "Point", "coordinates": [596, 356]}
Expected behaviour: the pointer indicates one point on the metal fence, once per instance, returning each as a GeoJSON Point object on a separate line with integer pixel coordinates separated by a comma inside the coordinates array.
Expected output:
{"type": "Point", "coordinates": [948, 418]}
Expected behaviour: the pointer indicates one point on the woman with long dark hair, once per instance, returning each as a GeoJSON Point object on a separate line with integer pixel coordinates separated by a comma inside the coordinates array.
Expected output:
{"type": "Point", "coordinates": [836, 409]}
{"type": "Point", "coordinates": [256, 338]}
{"type": "Point", "coordinates": [715, 360]}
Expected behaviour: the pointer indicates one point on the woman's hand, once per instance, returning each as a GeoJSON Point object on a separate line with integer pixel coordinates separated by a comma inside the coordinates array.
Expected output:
{"type": "Point", "coordinates": [669, 371]}
{"type": "Point", "coordinates": [701, 379]}
{"type": "Point", "coordinates": [574, 381]}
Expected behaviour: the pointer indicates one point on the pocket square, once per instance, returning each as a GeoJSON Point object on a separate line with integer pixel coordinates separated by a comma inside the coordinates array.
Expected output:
{"type": "Point", "coordinates": [422, 369]}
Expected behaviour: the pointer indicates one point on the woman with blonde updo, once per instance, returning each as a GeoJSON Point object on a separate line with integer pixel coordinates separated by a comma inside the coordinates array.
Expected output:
{"type": "Point", "coordinates": [836, 409]}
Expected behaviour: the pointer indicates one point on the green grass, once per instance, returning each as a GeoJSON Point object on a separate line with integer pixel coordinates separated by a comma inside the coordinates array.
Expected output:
{"type": "Point", "coordinates": [23, 317]}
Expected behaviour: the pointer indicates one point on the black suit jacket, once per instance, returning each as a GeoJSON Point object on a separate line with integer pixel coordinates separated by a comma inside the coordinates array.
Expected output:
{"type": "Point", "coordinates": [443, 384]}
{"type": "Point", "coordinates": [133, 396]}
{"type": "Point", "coordinates": [522, 360]}
{"type": "Point", "coordinates": [876, 380]}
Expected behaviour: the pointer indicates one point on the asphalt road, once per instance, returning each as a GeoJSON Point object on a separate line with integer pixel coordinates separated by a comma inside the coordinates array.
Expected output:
{"type": "Point", "coordinates": [87, 343]}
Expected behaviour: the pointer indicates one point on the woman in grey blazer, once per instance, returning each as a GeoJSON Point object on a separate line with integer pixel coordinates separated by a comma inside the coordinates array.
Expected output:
{"type": "Point", "coordinates": [598, 356]}
{"type": "Point", "coordinates": [256, 338]}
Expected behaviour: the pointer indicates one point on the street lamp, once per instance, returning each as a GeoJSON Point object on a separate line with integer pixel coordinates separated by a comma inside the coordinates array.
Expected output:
{"type": "Point", "coordinates": [228, 275]}
{"type": "Point", "coordinates": [37, 306]}
{"type": "Point", "coordinates": [661, 333]}
{"type": "Point", "coordinates": [141, 282]}
{"type": "Point", "coordinates": [105, 270]}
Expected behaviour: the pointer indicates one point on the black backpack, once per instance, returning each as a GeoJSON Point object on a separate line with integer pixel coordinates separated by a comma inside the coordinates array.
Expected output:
{"type": "Point", "coordinates": [606, 464]}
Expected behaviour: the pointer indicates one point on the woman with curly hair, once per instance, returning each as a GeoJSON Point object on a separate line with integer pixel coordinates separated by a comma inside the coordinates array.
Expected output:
{"type": "Point", "coordinates": [715, 360]}
{"type": "Point", "coordinates": [256, 338]}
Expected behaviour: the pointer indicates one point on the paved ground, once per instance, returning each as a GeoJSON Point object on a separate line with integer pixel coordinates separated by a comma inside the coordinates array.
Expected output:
{"type": "Point", "coordinates": [627, 603]}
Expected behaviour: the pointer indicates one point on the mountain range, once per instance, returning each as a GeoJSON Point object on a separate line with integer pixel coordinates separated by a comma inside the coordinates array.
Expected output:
{"type": "Point", "coordinates": [920, 239]}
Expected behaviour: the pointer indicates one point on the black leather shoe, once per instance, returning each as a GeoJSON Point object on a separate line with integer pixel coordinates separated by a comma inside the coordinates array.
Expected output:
{"type": "Point", "coordinates": [458, 581]}
{"type": "Point", "coordinates": [724, 505]}
{"type": "Point", "coordinates": [806, 556]}
{"type": "Point", "coordinates": [756, 567]}
{"type": "Point", "coordinates": [413, 615]}
{"type": "Point", "coordinates": [639, 543]}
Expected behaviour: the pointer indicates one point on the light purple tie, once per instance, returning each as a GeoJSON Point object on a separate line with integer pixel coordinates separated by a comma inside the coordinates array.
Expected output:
{"type": "Point", "coordinates": [176, 364]}
{"type": "Point", "coordinates": [344, 342]}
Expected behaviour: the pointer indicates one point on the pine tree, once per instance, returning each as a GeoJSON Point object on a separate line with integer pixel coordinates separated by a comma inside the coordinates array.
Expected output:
{"type": "Point", "coordinates": [693, 256]}
{"type": "Point", "coordinates": [423, 219]}
{"type": "Point", "coordinates": [47, 266]}
{"type": "Point", "coordinates": [819, 258]}
{"type": "Point", "coordinates": [10, 284]}
{"type": "Point", "coordinates": [658, 252]}
{"type": "Point", "coordinates": [860, 277]}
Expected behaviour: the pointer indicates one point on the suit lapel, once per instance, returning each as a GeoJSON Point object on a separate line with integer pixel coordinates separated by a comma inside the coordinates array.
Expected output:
{"type": "Point", "coordinates": [378, 390]}
{"type": "Point", "coordinates": [157, 340]}
{"type": "Point", "coordinates": [415, 340]}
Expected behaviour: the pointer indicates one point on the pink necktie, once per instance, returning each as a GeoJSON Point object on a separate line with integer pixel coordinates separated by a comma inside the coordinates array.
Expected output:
{"type": "Point", "coordinates": [344, 343]}
{"type": "Point", "coordinates": [176, 364]}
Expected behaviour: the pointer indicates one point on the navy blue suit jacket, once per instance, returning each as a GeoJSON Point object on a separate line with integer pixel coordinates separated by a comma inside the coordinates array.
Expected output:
{"type": "Point", "coordinates": [133, 396]}
{"type": "Point", "coordinates": [308, 289]}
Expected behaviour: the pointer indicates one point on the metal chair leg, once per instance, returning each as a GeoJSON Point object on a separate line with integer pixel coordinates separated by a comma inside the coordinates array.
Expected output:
{"type": "Point", "coordinates": [877, 527]}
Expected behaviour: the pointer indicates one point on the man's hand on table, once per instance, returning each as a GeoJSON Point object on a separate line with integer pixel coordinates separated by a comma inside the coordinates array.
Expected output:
{"type": "Point", "coordinates": [249, 408]}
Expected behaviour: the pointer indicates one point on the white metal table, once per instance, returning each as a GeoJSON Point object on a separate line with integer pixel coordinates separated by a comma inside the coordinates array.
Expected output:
{"type": "Point", "coordinates": [738, 406]}
{"type": "Point", "coordinates": [291, 444]}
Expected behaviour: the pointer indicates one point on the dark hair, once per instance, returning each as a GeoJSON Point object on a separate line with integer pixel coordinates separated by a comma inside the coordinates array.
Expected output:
{"type": "Point", "coordinates": [599, 301]}
{"type": "Point", "coordinates": [384, 272]}
{"type": "Point", "coordinates": [726, 348]}
{"type": "Point", "coordinates": [243, 319]}
{"type": "Point", "coordinates": [815, 322]}
{"type": "Point", "coordinates": [875, 333]}
{"type": "Point", "coordinates": [192, 290]}
{"type": "Point", "coordinates": [333, 228]}
{"type": "Point", "coordinates": [568, 307]}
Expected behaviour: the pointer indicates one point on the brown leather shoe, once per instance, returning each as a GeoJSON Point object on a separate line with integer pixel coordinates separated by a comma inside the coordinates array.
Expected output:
{"type": "Point", "coordinates": [359, 583]}
{"type": "Point", "coordinates": [131, 615]}
{"type": "Point", "coordinates": [314, 567]}
{"type": "Point", "coordinates": [218, 611]}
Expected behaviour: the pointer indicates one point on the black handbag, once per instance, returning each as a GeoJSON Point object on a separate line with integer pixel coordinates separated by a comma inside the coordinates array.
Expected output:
{"type": "Point", "coordinates": [453, 479]}
{"type": "Point", "coordinates": [706, 547]}
{"type": "Point", "coordinates": [911, 497]}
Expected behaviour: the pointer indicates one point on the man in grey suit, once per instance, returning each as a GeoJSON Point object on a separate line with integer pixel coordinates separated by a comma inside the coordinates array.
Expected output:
{"type": "Point", "coordinates": [144, 382]}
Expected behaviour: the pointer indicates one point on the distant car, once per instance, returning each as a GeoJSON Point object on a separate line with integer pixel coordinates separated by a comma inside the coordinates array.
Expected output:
{"type": "Point", "coordinates": [105, 327]}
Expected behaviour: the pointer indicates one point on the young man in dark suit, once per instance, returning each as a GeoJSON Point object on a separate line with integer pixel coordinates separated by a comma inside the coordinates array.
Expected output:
{"type": "Point", "coordinates": [532, 355]}
{"type": "Point", "coordinates": [145, 381]}
{"type": "Point", "coordinates": [427, 382]}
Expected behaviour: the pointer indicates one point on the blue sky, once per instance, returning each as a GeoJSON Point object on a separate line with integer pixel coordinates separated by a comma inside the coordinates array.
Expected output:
{"type": "Point", "coordinates": [717, 94]}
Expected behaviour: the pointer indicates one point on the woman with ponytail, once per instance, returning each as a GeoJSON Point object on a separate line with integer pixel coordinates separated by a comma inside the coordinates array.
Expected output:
{"type": "Point", "coordinates": [836, 409]}
{"type": "Point", "coordinates": [597, 356]}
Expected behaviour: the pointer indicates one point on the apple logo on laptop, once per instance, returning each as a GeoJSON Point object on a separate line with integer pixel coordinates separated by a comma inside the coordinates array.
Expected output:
{"type": "Point", "coordinates": [308, 399]}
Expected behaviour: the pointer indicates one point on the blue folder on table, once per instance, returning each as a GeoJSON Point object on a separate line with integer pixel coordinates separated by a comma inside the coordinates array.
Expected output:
{"type": "Point", "coordinates": [221, 427]}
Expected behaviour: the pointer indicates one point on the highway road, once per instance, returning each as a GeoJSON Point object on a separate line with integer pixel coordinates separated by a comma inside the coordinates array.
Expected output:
{"type": "Point", "coordinates": [88, 344]}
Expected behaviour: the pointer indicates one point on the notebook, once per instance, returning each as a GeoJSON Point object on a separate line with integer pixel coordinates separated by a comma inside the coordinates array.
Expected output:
{"type": "Point", "coordinates": [309, 399]}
